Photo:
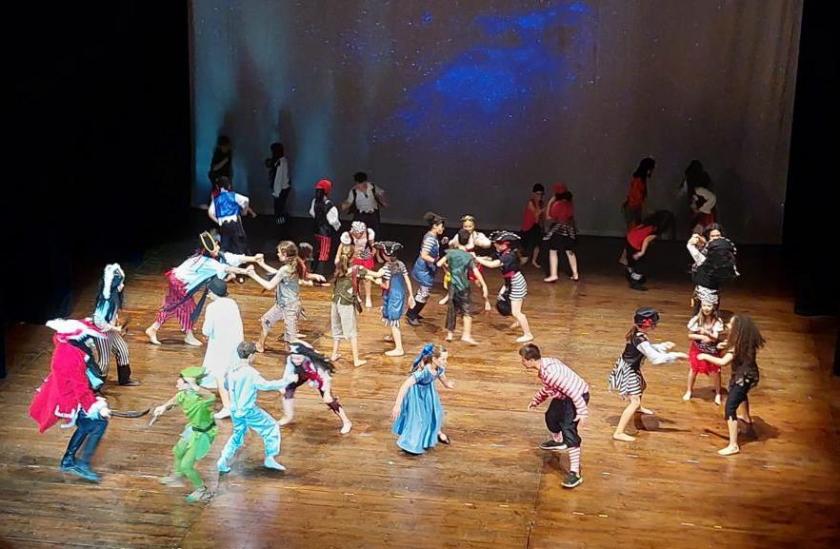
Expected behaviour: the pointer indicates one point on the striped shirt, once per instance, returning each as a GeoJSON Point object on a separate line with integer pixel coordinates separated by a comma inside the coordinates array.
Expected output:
{"type": "Point", "coordinates": [397, 268]}
{"type": "Point", "coordinates": [429, 242]}
{"type": "Point", "coordinates": [560, 381]}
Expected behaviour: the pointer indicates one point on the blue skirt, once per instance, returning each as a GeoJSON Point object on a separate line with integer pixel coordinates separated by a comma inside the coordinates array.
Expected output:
{"type": "Point", "coordinates": [424, 273]}
{"type": "Point", "coordinates": [393, 301]}
{"type": "Point", "coordinates": [420, 420]}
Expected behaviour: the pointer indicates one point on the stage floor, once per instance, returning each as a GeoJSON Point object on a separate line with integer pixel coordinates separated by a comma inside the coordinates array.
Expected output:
{"type": "Point", "coordinates": [492, 486]}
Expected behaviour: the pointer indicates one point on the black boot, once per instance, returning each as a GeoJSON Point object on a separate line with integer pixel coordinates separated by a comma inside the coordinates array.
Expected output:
{"type": "Point", "coordinates": [68, 462]}
{"type": "Point", "coordinates": [413, 314]}
{"type": "Point", "coordinates": [124, 376]}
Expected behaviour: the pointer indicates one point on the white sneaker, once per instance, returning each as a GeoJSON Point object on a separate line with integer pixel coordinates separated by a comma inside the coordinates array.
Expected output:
{"type": "Point", "coordinates": [222, 414]}
{"type": "Point", "coordinates": [271, 463]}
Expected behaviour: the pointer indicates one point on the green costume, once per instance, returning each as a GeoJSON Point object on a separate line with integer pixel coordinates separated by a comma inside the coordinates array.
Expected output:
{"type": "Point", "coordinates": [199, 434]}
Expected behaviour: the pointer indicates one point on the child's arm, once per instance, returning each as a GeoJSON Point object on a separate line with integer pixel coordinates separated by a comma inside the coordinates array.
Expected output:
{"type": "Point", "coordinates": [441, 262]}
{"type": "Point", "coordinates": [160, 410]}
{"type": "Point", "coordinates": [487, 262]}
{"type": "Point", "coordinates": [446, 383]}
{"type": "Point", "coordinates": [267, 284]}
{"type": "Point", "coordinates": [407, 384]}
{"type": "Point", "coordinates": [480, 279]}
{"type": "Point", "coordinates": [718, 361]}
{"type": "Point", "coordinates": [638, 255]}
{"type": "Point", "coordinates": [411, 302]}
{"type": "Point", "coordinates": [658, 355]}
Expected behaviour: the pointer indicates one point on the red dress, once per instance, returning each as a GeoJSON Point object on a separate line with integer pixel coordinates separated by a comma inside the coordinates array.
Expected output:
{"type": "Point", "coordinates": [702, 366]}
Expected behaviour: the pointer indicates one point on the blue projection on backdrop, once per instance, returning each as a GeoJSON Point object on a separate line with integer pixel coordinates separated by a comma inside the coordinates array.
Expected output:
{"type": "Point", "coordinates": [463, 105]}
{"type": "Point", "coordinates": [491, 85]}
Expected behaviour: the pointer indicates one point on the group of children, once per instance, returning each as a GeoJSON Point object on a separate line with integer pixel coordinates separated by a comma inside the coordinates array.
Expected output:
{"type": "Point", "coordinates": [77, 373]}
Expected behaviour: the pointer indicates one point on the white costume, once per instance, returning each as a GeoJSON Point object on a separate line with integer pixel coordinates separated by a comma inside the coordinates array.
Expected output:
{"type": "Point", "coordinates": [223, 328]}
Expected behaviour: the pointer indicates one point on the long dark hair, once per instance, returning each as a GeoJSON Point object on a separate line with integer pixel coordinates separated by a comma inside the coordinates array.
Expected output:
{"type": "Point", "coordinates": [744, 339]}
{"type": "Point", "coordinates": [661, 220]}
{"type": "Point", "coordinates": [645, 167]}
{"type": "Point", "coordinates": [696, 176]}
{"type": "Point", "coordinates": [290, 250]}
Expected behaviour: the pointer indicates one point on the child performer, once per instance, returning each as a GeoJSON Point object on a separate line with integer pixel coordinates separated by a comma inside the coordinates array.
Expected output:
{"type": "Point", "coordinates": [743, 343]}
{"type": "Point", "coordinates": [67, 394]}
{"type": "Point", "coordinates": [515, 288]}
{"type": "Point", "coordinates": [474, 240]}
{"type": "Point", "coordinates": [704, 331]}
{"type": "Point", "coordinates": [190, 277]}
{"type": "Point", "coordinates": [106, 312]}
{"type": "Point", "coordinates": [286, 283]}
{"type": "Point", "coordinates": [626, 376]}
{"type": "Point", "coordinates": [714, 263]}
{"type": "Point", "coordinates": [569, 395]}
{"type": "Point", "coordinates": [225, 209]}
{"type": "Point", "coordinates": [362, 240]}
{"type": "Point", "coordinates": [639, 239]}
{"type": "Point", "coordinates": [304, 365]}
{"type": "Point", "coordinates": [562, 233]}
{"type": "Point", "coordinates": [395, 287]}
{"type": "Point", "coordinates": [326, 224]}
{"type": "Point", "coordinates": [223, 329]}
{"type": "Point", "coordinates": [346, 304]}
{"type": "Point", "coordinates": [532, 225]}
{"type": "Point", "coordinates": [244, 382]}
{"type": "Point", "coordinates": [199, 434]}
{"type": "Point", "coordinates": [425, 266]}
{"type": "Point", "coordinates": [418, 413]}
{"type": "Point", "coordinates": [634, 205]}
{"type": "Point", "coordinates": [460, 262]}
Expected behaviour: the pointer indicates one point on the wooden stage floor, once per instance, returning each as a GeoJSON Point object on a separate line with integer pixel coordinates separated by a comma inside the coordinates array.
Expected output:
{"type": "Point", "coordinates": [492, 486]}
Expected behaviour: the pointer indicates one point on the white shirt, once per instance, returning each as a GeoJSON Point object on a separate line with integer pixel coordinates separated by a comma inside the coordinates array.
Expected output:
{"type": "Point", "coordinates": [366, 200]}
{"type": "Point", "coordinates": [223, 328]}
{"type": "Point", "coordinates": [281, 178]}
{"type": "Point", "coordinates": [708, 196]}
{"type": "Point", "coordinates": [332, 215]}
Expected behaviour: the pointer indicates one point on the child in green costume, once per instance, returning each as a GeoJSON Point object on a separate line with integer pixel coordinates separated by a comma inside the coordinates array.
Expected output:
{"type": "Point", "coordinates": [196, 440]}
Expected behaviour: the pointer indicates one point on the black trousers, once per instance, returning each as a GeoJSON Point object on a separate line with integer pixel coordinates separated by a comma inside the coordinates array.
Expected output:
{"type": "Point", "coordinates": [370, 219]}
{"type": "Point", "coordinates": [233, 236]}
{"type": "Point", "coordinates": [280, 203]}
{"type": "Point", "coordinates": [737, 395]}
{"type": "Point", "coordinates": [560, 418]}
{"type": "Point", "coordinates": [88, 434]}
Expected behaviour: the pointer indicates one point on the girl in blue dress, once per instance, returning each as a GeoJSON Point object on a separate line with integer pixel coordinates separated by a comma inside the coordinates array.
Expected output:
{"type": "Point", "coordinates": [425, 266]}
{"type": "Point", "coordinates": [418, 413]}
{"type": "Point", "coordinates": [396, 286]}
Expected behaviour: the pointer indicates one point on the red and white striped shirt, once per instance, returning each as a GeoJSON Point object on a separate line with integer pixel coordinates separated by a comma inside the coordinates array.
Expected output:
{"type": "Point", "coordinates": [560, 381]}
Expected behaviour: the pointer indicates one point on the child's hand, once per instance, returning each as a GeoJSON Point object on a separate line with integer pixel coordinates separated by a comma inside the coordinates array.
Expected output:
{"type": "Point", "coordinates": [682, 356]}
{"type": "Point", "coordinates": [159, 410]}
{"type": "Point", "coordinates": [668, 345]}
{"type": "Point", "coordinates": [487, 306]}
{"type": "Point", "coordinates": [259, 258]}
{"type": "Point", "coordinates": [411, 302]}
{"type": "Point", "coordinates": [449, 384]}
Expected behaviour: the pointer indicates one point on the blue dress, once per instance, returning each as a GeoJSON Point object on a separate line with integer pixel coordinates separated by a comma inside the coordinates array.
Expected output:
{"type": "Point", "coordinates": [424, 272]}
{"type": "Point", "coordinates": [421, 418]}
{"type": "Point", "coordinates": [393, 300]}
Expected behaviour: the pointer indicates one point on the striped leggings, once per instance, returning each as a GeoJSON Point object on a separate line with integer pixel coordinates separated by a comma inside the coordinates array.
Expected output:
{"type": "Point", "coordinates": [423, 293]}
{"type": "Point", "coordinates": [112, 342]}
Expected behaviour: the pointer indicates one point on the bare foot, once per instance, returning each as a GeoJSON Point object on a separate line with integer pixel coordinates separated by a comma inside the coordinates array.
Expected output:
{"type": "Point", "coordinates": [346, 428]}
{"type": "Point", "coordinates": [284, 420]}
{"type": "Point", "coordinates": [172, 480]}
{"type": "Point", "coordinates": [444, 301]}
{"type": "Point", "coordinates": [536, 265]}
{"type": "Point", "coordinates": [717, 399]}
{"type": "Point", "coordinates": [729, 450]}
{"type": "Point", "coordinates": [449, 337]}
{"type": "Point", "coordinates": [623, 437]}
{"type": "Point", "coordinates": [260, 348]}
{"type": "Point", "coordinates": [388, 338]}
{"type": "Point", "coordinates": [469, 340]}
{"type": "Point", "coordinates": [687, 396]}
{"type": "Point", "coordinates": [335, 357]}
{"type": "Point", "coordinates": [745, 419]}
{"type": "Point", "coordinates": [358, 363]}
{"type": "Point", "coordinates": [574, 278]}
{"type": "Point", "coordinates": [152, 333]}
{"type": "Point", "coordinates": [551, 279]}
{"type": "Point", "coordinates": [191, 340]}
{"type": "Point", "coordinates": [368, 304]}
{"type": "Point", "coordinates": [645, 411]}
{"type": "Point", "coordinates": [395, 352]}
{"type": "Point", "coordinates": [525, 338]}
{"type": "Point", "coordinates": [514, 326]}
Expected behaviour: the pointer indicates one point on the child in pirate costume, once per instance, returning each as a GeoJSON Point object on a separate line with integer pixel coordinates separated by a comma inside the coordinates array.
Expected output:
{"type": "Point", "coordinates": [638, 241]}
{"type": "Point", "coordinates": [532, 225]}
{"type": "Point", "coordinates": [106, 311]}
{"type": "Point", "coordinates": [396, 285]}
{"type": "Point", "coordinates": [425, 266]}
{"type": "Point", "coordinates": [189, 278]}
{"type": "Point", "coordinates": [223, 329]}
{"type": "Point", "coordinates": [66, 394]}
{"type": "Point", "coordinates": [244, 382]}
{"type": "Point", "coordinates": [286, 284]}
{"type": "Point", "coordinates": [417, 413]}
{"type": "Point", "coordinates": [346, 304]}
{"type": "Point", "coordinates": [714, 263]}
{"type": "Point", "coordinates": [474, 239]}
{"type": "Point", "coordinates": [742, 344]}
{"type": "Point", "coordinates": [561, 233]}
{"type": "Point", "coordinates": [326, 224]}
{"type": "Point", "coordinates": [362, 240]}
{"type": "Point", "coordinates": [459, 262]}
{"type": "Point", "coordinates": [514, 288]}
{"type": "Point", "coordinates": [199, 434]}
{"type": "Point", "coordinates": [304, 365]}
{"type": "Point", "coordinates": [225, 210]}
{"type": "Point", "coordinates": [626, 377]}
{"type": "Point", "coordinates": [569, 395]}
{"type": "Point", "coordinates": [704, 331]}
